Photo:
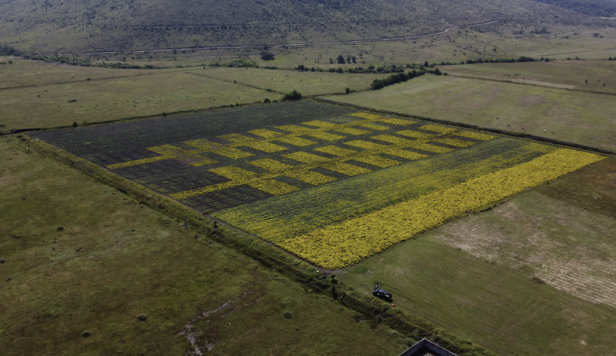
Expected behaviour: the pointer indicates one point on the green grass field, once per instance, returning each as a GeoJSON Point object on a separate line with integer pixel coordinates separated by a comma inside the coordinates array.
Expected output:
{"type": "Point", "coordinates": [474, 275]}
{"type": "Point", "coordinates": [152, 93]}
{"type": "Point", "coordinates": [599, 76]}
{"type": "Point", "coordinates": [116, 259]}
{"type": "Point", "coordinates": [578, 117]}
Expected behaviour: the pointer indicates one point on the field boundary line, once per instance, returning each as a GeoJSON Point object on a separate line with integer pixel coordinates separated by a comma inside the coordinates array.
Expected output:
{"type": "Point", "coordinates": [475, 127]}
{"type": "Point", "coordinates": [76, 81]}
{"type": "Point", "coordinates": [126, 119]}
{"type": "Point", "coordinates": [272, 90]}
{"type": "Point", "coordinates": [538, 85]}
{"type": "Point", "coordinates": [373, 310]}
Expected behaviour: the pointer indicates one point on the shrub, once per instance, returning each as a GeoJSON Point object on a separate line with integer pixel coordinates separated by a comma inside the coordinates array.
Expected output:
{"type": "Point", "coordinates": [267, 56]}
{"type": "Point", "coordinates": [292, 96]}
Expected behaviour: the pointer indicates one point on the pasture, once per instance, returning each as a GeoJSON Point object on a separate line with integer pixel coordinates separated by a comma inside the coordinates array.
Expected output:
{"type": "Point", "coordinates": [566, 115]}
{"type": "Point", "coordinates": [534, 275]}
{"type": "Point", "coordinates": [79, 256]}
{"type": "Point", "coordinates": [597, 76]}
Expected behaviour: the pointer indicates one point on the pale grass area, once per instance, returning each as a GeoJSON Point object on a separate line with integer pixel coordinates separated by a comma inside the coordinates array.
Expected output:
{"type": "Point", "coordinates": [565, 246]}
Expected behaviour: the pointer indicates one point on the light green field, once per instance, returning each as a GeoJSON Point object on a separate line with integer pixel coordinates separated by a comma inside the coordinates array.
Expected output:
{"type": "Point", "coordinates": [118, 98]}
{"type": "Point", "coordinates": [597, 76]}
{"type": "Point", "coordinates": [475, 275]}
{"type": "Point", "coordinates": [285, 81]}
{"type": "Point", "coordinates": [30, 73]}
{"type": "Point", "coordinates": [116, 259]}
{"type": "Point", "coordinates": [578, 117]}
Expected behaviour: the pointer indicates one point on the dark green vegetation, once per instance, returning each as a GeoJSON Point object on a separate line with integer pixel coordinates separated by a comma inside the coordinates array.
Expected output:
{"type": "Point", "coordinates": [67, 240]}
{"type": "Point", "coordinates": [145, 24]}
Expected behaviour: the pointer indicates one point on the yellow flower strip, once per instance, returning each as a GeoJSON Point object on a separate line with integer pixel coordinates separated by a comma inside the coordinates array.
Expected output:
{"type": "Point", "coordinates": [310, 177]}
{"type": "Point", "coordinates": [454, 142]}
{"type": "Point", "coordinates": [265, 133]}
{"type": "Point", "coordinates": [439, 129]}
{"type": "Point", "coordinates": [297, 141]}
{"type": "Point", "coordinates": [475, 135]}
{"type": "Point", "coordinates": [273, 187]}
{"type": "Point", "coordinates": [237, 140]}
{"type": "Point", "coordinates": [271, 165]}
{"type": "Point", "coordinates": [288, 216]}
{"type": "Point", "coordinates": [388, 120]}
{"type": "Point", "coordinates": [346, 168]}
{"type": "Point", "coordinates": [377, 161]}
{"type": "Point", "coordinates": [346, 243]}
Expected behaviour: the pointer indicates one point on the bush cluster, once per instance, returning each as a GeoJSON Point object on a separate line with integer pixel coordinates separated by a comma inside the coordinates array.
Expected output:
{"type": "Point", "coordinates": [397, 78]}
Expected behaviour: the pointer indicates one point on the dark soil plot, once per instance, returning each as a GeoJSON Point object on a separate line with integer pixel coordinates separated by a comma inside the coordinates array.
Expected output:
{"type": "Point", "coordinates": [123, 142]}
{"type": "Point", "coordinates": [218, 160]}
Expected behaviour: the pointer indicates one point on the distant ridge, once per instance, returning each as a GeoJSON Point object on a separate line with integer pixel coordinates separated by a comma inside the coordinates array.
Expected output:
{"type": "Point", "coordinates": [71, 26]}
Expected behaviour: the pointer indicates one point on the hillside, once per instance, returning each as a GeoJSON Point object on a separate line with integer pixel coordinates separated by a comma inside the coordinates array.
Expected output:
{"type": "Point", "coordinates": [605, 8]}
{"type": "Point", "coordinates": [69, 26]}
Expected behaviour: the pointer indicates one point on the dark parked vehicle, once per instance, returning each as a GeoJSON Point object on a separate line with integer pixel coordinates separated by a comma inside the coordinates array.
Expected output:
{"type": "Point", "coordinates": [381, 293]}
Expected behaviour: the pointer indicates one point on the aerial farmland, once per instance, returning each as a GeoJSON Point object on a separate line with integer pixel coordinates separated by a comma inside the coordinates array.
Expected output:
{"type": "Point", "coordinates": [308, 178]}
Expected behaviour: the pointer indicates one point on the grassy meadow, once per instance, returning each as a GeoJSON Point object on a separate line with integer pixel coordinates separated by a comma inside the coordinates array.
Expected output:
{"type": "Point", "coordinates": [598, 76]}
{"type": "Point", "coordinates": [534, 275]}
{"type": "Point", "coordinates": [579, 117]}
{"type": "Point", "coordinates": [284, 81]}
{"type": "Point", "coordinates": [81, 257]}
{"type": "Point", "coordinates": [153, 93]}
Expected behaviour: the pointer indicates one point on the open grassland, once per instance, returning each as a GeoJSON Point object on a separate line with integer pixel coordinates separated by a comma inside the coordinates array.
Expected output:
{"type": "Point", "coordinates": [115, 259]}
{"type": "Point", "coordinates": [487, 301]}
{"type": "Point", "coordinates": [534, 275]}
{"type": "Point", "coordinates": [307, 83]}
{"type": "Point", "coordinates": [25, 73]}
{"type": "Point", "coordinates": [599, 76]}
{"type": "Point", "coordinates": [415, 175]}
{"type": "Point", "coordinates": [118, 98]}
{"type": "Point", "coordinates": [583, 118]}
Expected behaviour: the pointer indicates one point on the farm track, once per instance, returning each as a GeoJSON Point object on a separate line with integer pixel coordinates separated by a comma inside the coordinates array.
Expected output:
{"type": "Point", "coordinates": [285, 45]}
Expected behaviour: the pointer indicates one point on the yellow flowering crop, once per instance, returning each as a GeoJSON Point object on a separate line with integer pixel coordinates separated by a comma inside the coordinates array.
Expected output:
{"type": "Point", "coordinates": [453, 142]}
{"type": "Point", "coordinates": [296, 141]}
{"type": "Point", "coordinates": [377, 161]}
{"type": "Point", "coordinates": [306, 157]}
{"type": "Point", "coordinates": [265, 146]}
{"type": "Point", "coordinates": [439, 129]}
{"type": "Point", "coordinates": [265, 133]}
{"type": "Point", "coordinates": [271, 165]}
{"type": "Point", "coordinates": [273, 187]}
{"type": "Point", "coordinates": [346, 168]}
{"type": "Point", "coordinates": [347, 243]}
{"type": "Point", "coordinates": [310, 177]}
{"type": "Point", "coordinates": [475, 135]}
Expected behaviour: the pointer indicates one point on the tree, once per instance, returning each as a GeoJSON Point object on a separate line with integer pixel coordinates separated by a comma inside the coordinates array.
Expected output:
{"type": "Point", "coordinates": [267, 56]}
{"type": "Point", "coordinates": [340, 59]}
{"type": "Point", "coordinates": [347, 90]}
{"type": "Point", "coordinates": [301, 67]}
{"type": "Point", "coordinates": [354, 59]}
{"type": "Point", "coordinates": [266, 101]}
{"type": "Point", "coordinates": [294, 95]}
{"type": "Point", "coordinates": [331, 61]}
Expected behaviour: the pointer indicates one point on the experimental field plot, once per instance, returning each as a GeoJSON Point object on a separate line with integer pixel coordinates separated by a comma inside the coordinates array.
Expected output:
{"type": "Point", "coordinates": [328, 184]}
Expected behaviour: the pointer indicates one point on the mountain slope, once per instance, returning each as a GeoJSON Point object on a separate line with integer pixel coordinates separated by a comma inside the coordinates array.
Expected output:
{"type": "Point", "coordinates": [94, 25]}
